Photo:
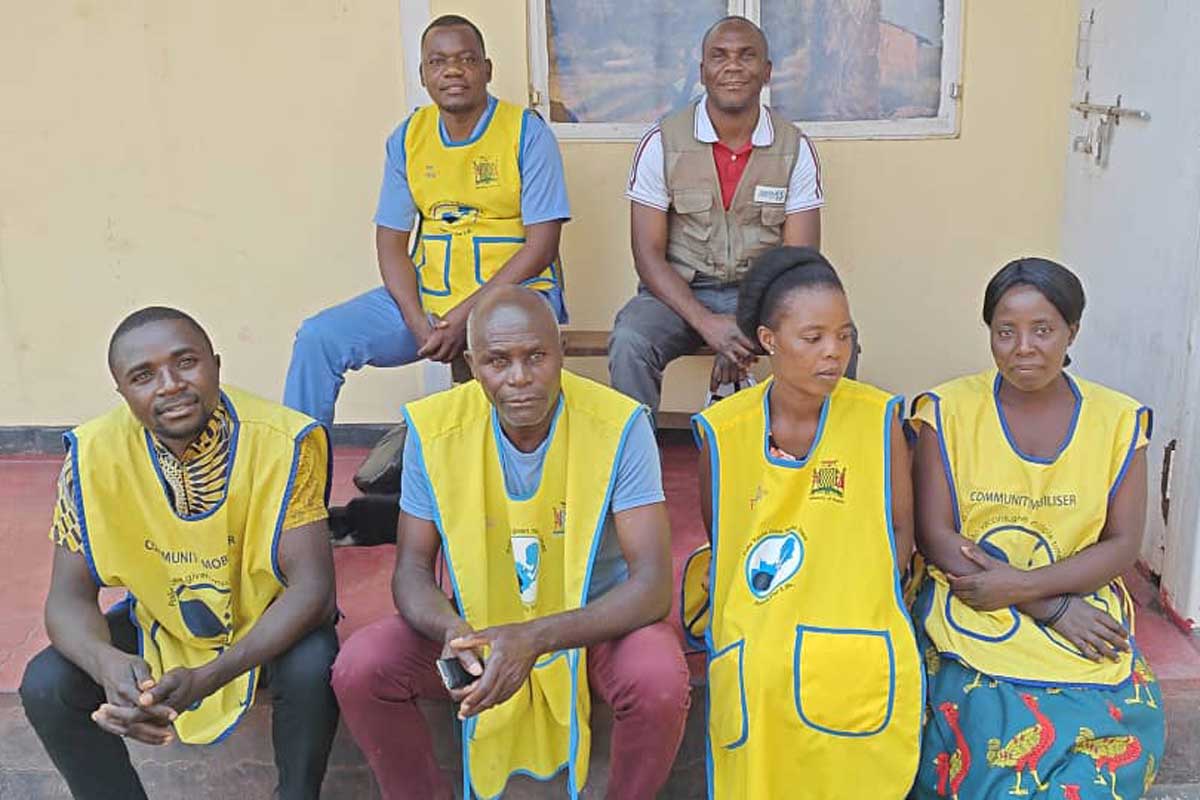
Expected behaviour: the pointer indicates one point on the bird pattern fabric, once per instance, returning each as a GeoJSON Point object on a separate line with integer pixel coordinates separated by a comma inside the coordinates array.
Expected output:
{"type": "Point", "coordinates": [988, 739]}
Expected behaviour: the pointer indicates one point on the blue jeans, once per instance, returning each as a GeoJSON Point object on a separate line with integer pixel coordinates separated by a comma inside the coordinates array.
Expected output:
{"type": "Point", "coordinates": [367, 329]}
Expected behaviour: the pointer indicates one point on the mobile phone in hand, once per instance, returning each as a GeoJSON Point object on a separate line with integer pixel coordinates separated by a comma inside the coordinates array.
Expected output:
{"type": "Point", "coordinates": [454, 675]}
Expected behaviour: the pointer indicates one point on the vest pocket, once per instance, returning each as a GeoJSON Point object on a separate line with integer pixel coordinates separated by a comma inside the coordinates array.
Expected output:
{"type": "Point", "coordinates": [844, 679]}
{"type": "Point", "coordinates": [984, 626]}
{"type": "Point", "coordinates": [433, 264]}
{"type": "Point", "coordinates": [728, 721]}
{"type": "Point", "coordinates": [548, 687]}
{"type": "Point", "coordinates": [551, 677]}
{"type": "Point", "coordinates": [773, 216]}
{"type": "Point", "coordinates": [695, 205]}
{"type": "Point", "coordinates": [494, 251]}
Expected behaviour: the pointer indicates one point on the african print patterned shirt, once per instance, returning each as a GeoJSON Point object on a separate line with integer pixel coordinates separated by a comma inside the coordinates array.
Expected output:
{"type": "Point", "coordinates": [196, 482]}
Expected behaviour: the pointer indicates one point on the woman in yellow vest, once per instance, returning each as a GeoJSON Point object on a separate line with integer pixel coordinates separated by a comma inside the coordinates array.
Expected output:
{"type": "Point", "coordinates": [1031, 498]}
{"type": "Point", "coordinates": [814, 678]}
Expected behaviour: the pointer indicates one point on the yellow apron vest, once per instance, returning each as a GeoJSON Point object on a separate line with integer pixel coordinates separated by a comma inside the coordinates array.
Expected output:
{"type": "Point", "coordinates": [814, 681]}
{"type": "Point", "coordinates": [468, 195]}
{"type": "Point", "coordinates": [196, 585]}
{"type": "Point", "coordinates": [1029, 512]}
{"type": "Point", "coordinates": [516, 559]}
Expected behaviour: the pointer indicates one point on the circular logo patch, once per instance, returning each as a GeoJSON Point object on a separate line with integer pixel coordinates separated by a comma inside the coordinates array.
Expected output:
{"type": "Point", "coordinates": [772, 562]}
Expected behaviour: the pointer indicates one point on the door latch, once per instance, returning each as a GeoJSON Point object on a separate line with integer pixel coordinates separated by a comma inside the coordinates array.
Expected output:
{"type": "Point", "coordinates": [1096, 142]}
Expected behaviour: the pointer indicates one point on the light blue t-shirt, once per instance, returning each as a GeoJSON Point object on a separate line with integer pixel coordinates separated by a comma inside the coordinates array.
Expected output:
{"type": "Point", "coordinates": [638, 483]}
{"type": "Point", "coordinates": [543, 189]}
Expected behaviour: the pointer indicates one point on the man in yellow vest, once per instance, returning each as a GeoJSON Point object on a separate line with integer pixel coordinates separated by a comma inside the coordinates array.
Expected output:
{"type": "Point", "coordinates": [712, 186]}
{"type": "Point", "coordinates": [483, 181]}
{"type": "Point", "coordinates": [208, 506]}
{"type": "Point", "coordinates": [543, 491]}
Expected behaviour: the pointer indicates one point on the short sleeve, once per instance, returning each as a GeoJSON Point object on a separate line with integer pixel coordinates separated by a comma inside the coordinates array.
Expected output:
{"type": "Point", "coordinates": [308, 501]}
{"type": "Point", "coordinates": [64, 529]}
{"type": "Point", "coordinates": [639, 470]}
{"type": "Point", "coordinates": [416, 493]}
{"type": "Point", "coordinates": [543, 187]}
{"type": "Point", "coordinates": [647, 183]}
{"type": "Point", "coordinates": [804, 187]}
{"type": "Point", "coordinates": [396, 209]}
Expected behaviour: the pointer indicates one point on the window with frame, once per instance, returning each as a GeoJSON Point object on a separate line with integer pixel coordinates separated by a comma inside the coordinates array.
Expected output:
{"type": "Point", "coordinates": [606, 69]}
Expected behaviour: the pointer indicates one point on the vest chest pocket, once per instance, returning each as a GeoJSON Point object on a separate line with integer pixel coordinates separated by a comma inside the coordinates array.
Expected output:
{"type": "Point", "coordinates": [844, 679]}
{"type": "Point", "coordinates": [773, 216]}
{"type": "Point", "coordinates": [728, 720]}
{"type": "Point", "coordinates": [433, 264]}
{"type": "Point", "coordinates": [695, 206]}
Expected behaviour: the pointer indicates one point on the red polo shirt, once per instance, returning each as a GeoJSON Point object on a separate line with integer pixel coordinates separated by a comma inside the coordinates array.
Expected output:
{"type": "Point", "coordinates": [730, 166]}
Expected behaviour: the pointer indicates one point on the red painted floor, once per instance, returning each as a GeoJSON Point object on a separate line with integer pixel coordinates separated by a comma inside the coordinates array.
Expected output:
{"type": "Point", "coordinates": [364, 574]}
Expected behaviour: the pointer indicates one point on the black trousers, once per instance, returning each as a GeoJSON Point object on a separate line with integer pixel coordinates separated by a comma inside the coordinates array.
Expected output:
{"type": "Point", "coordinates": [59, 699]}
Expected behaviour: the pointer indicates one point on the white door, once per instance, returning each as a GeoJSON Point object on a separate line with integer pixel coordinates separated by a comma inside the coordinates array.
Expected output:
{"type": "Point", "coordinates": [1131, 230]}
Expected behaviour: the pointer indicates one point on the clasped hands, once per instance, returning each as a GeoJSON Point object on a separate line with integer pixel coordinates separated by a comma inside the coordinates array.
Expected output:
{"type": "Point", "coordinates": [736, 354]}
{"type": "Point", "coordinates": [138, 706]}
{"type": "Point", "coordinates": [499, 657]}
{"type": "Point", "coordinates": [1095, 634]}
{"type": "Point", "coordinates": [446, 338]}
{"type": "Point", "coordinates": [997, 585]}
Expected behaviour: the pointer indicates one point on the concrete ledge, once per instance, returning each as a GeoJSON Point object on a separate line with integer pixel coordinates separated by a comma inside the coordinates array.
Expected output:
{"type": "Point", "coordinates": [20, 439]}
{"type": "Point", "coordinates": [48, 439]}
{"type": "Point", "coordinates": [243, 765]}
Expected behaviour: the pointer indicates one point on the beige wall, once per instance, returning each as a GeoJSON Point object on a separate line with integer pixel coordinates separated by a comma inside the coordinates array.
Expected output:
{"type": "Point", "coordinates": [220, 156]}
{"type": "Point", "coordinates": [225, 157]}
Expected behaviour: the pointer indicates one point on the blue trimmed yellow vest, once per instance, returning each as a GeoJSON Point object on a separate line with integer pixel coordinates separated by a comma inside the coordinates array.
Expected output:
{"type": "Point", "coordinates": [1030, 513]}
{"type": "Point", "coordinates": [814, 680]}
{"type": "Point", "coordinates": [469, 197]}
{"type": "Point", "coordinates": [196, 585]}
{"type": "Point", "coordinates": [517, 559]}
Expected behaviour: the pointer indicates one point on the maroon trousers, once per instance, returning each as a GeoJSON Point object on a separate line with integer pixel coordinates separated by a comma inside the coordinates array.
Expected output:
{"type": "Point", "coordinates": [385, 667]}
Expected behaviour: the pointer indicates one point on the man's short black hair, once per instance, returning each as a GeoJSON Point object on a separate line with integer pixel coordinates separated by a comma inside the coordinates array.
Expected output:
{"type": "Point", "coordinates": [736, 18]}
{"type": "Point", "coordinates": [144, 316]}
{"type": "Point", "coordinates": [455, 21]}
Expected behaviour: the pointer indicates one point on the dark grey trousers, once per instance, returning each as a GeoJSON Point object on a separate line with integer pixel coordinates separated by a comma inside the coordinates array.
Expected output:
{"type": "Point", "coordinates": [647, 336]}
{"type": "Point", "coordinates": [59, 698]}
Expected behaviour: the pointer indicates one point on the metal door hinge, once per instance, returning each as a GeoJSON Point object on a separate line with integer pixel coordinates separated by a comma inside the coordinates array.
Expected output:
{"type": "Point", "coordinates": [956, 91]}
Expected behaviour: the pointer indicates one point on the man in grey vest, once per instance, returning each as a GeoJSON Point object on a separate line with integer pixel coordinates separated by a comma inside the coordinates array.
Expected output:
{"type": "Point", "coordinates": [712, 186]}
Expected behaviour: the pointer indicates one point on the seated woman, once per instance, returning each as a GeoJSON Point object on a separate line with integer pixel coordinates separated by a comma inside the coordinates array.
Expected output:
{"type": "Point", "coordinates": [1030, 501]}
{"type": "Point", "coordinates": [814, 677]}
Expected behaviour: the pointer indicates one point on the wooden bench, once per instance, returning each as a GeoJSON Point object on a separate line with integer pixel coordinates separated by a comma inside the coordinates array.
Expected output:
{"type": "Point", "coordinates": [585, 343]}
{"type": "Point", "coordinates": [595, 343]}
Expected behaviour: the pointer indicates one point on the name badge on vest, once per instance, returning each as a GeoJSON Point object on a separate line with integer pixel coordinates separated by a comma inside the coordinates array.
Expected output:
{"type": "Point", "coordinates": [770, 194]}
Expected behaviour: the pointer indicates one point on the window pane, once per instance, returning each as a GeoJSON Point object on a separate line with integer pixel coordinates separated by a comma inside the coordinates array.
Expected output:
{"type": "Point", "coordinates": [621, 61]}
{"type": "Point", "coordinates": [855, 59]}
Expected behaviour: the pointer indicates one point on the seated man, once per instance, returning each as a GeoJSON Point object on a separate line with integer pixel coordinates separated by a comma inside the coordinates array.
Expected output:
{"type": "Point", "coordinates": [712, 187]}
{"type": "Point", "coordinates": [543, 490]}
{"type": "Point", "coordinates": [483, 179]}
{"type": "Point", "coordinates": [207, 505]}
